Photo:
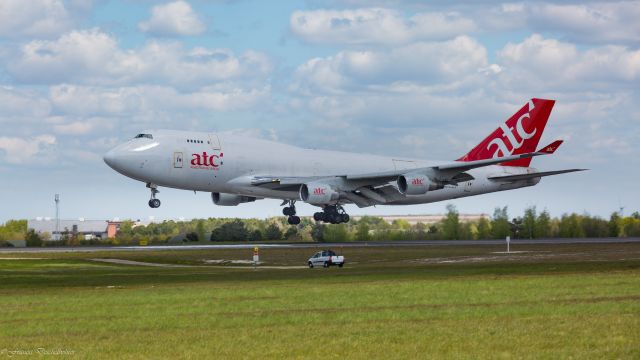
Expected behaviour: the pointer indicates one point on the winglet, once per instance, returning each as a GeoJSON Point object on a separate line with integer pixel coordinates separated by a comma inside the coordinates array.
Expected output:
{"type": "Point", "coordinates": [551, 148]}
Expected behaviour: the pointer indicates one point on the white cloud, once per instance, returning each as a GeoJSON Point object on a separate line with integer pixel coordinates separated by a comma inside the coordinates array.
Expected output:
{"type": "Point", "coordinates": [40, 18]}
{"type": "Point", "coordinates": [376, 26]}
{"type": "Point", "coordinates": [20, 150]}
{"type": "Point", "coordinates": [175, 18]}
{"type": "Point", "coordinates": [599, 22]}
{"type": "Point", "coordinates": [428, 90]}
{"type": "Point", "coordinates": [16, 102]}
{"type": "Point", "coordinates": [587, 22]}
{"type": "Point", "coordinates": [537, 62]}
{"type": "Point", "coordinates": [397, 69]}
{"type": "Point", "coordinates": [135, 100]}
{"type": "Point", "coordinates": [66, 125]}
{"type": "Point", "coordinates": [94, 57]}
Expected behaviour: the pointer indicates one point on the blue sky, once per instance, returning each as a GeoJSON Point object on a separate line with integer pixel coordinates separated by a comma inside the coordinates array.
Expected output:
{"type": "Point", "coordinates": [384, 77]}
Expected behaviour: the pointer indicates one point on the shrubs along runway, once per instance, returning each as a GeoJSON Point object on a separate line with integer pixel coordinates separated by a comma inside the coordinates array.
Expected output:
{"type": "Point", "coordinates": [544, 301]}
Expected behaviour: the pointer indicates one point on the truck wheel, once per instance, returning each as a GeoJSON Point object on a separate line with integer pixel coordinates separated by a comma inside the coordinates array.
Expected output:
{"type": "Point", "coordinates": [326, 264]}
{"type": "Point", "coordinates": [310, 265]}
{"type": "Point", "coordinates": [340, 265]}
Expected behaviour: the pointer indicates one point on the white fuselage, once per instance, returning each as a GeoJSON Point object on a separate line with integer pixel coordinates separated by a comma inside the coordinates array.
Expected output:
{"type": "Point", "coordinates": [226, 164]}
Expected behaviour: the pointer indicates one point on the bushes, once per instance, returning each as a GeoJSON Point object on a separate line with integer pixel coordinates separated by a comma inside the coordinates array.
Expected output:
{"type": "Point", "coordinates": [336, 233]}
{"type": "Point", "coordinates": [192, 236]}
{"type": "Point", "coordinates": [231, 231]}
{"type": "Point", "coordinates": [273, 232]}
{"type": "Point", "coordinates": [532, 224]}
{"type": "Point", "coordinates": [33, 239]}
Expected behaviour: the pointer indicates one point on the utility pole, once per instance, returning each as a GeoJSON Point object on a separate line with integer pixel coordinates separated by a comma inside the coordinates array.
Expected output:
{"type": "Point", "coordinates": [57, 199]}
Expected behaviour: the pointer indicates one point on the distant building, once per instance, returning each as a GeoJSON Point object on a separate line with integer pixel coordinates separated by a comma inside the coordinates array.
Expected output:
{"type": "Point", "coordinates": [426, 219]}
{"type": "Point", "coordinates": [88, 229]}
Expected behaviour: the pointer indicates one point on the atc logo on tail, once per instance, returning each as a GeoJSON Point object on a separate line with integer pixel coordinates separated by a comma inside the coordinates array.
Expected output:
{"type": "Point", "coordinates": [520, 134]}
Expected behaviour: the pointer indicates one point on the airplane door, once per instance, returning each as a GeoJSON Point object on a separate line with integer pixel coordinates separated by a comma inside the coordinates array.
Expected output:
{"type": "Point", "coordinates": [177, 160]}
{"type": "Point", "coordinates": [215, 142]}
{"type": "Point", "coordinates": [467, 186]}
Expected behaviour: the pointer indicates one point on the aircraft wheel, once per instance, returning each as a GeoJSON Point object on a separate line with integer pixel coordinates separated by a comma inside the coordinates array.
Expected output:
{"type": "Point", "coordinates": [288, 211]}
{"type": "Point", "coordinates": [154, 203]}
{"type": "Point", "coordinates": [319, 216]}
{"type": "Point", "coordinates": [293, 220]}
{"type": "Point", "coordinates": [328, 217]}
{"type": "Point", "coordinates": [345, 218]}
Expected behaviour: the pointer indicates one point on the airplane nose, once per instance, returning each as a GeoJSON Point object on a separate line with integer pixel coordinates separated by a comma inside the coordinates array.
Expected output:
{"type": "Point", "coordinates": [110, 158]}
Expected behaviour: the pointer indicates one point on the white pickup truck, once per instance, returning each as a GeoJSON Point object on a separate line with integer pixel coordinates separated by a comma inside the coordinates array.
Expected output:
{"type": "Point", "coordinates": [326, 258]}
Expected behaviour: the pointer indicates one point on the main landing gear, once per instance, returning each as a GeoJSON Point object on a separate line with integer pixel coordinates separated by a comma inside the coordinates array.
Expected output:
{"type": "Point", "coordinates": [290, 211]}
{"type": "Point", "coordinates": [333, 214]}
{"type": "Point", "coordinates": [153, 202]}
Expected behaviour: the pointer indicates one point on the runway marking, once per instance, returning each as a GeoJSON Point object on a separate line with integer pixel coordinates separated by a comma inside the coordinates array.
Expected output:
{"type": "Point", "coordinates": [225, 261]}
{"type": "Point", "coordinates": [245, 263]}
{"type": "Point", "coordinates": [139, 263]}
{"type": "Point", "coordinates": [514, 242]}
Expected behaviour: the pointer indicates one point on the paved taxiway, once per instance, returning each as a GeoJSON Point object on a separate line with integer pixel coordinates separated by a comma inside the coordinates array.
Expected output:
{"type": "Point", "coordinates": [317, 245]}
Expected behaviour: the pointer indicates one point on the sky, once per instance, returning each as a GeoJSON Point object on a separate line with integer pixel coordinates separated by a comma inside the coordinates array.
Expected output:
{"type": "Point", "coordinates": [406, 78]}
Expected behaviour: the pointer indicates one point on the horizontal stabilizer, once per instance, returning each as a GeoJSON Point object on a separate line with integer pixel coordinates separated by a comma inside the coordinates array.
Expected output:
{"type": "Point", "coordinates": [532, 175]}
{"type": "Point", "coordinates": [551, 148]}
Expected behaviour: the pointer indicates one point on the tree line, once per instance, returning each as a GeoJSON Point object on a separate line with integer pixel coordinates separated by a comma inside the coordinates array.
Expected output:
{"type": "Point", "coordinates": [532, 224]}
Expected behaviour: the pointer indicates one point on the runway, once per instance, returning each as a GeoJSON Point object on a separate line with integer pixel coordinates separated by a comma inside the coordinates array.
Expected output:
{"type": "Point", "coordinates": [89, 249]}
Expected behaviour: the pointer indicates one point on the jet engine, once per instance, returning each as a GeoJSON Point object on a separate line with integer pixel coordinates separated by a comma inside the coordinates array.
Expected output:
{"type": "Point", "coordinates": [318, 193]}
{"type": "Point", "coordinates": [223, 199]}
{"type": "Point", "coordinates": [416, 184]}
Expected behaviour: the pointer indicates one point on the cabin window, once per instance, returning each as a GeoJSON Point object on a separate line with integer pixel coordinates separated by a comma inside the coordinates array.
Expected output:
{"type": "Point", "coordinates": [148, 136]}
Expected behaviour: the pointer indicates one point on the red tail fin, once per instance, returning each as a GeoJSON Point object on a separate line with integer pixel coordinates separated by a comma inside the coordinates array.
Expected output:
{"type": "Point", "coordinates": [518, 135]}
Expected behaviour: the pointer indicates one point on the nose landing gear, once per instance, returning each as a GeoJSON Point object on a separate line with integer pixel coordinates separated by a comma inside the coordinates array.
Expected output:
{"type": "Point", "coordinates": [153, 202]}
{"type": "Point", "coordinates": [290, 211]}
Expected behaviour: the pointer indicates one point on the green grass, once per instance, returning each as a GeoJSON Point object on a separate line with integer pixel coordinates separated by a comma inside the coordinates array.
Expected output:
{"type": "Point", "coordinates": [569, 301]}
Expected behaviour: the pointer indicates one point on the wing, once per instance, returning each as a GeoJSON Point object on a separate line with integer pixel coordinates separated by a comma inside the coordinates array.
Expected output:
{"type": "Point", "coordinates": [374, 188]}
{"type": "Point", "coordinates": [452, 173]}
{"type": "Point", "coordinates": [509, 178]}
{"type": "Point", "coordinates": [285, 183]}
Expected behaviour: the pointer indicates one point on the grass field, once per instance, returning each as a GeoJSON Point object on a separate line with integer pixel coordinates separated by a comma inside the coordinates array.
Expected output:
{"type": "Point", "coordinates": [550, 301]}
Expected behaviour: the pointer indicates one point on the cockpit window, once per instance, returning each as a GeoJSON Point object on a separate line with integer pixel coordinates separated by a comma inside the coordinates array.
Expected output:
{"type": "Point", "coordinates": [148, 136]}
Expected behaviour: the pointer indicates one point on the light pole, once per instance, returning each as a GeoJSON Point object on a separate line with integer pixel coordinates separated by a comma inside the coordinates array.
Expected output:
{"type": "Point", "coordinates": [57, 199]}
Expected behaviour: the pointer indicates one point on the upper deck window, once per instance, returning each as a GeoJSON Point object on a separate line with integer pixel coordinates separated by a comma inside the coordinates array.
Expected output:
{"type": "Point", "coordinates": [148, 136]}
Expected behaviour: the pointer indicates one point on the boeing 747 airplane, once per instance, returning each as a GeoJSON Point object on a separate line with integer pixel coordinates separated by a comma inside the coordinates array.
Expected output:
{"type": "Point", "coordinates": [238, 170]}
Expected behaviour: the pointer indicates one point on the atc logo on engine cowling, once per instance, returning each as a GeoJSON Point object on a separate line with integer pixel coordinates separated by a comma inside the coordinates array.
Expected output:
{"type": "Point", "coordinates": [206, 162]}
